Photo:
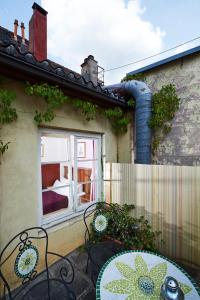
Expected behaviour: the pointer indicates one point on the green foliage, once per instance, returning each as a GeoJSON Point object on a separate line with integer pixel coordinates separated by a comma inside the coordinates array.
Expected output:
{"type": "Point", "coordinates": [164, 105]}
{"type": "Point", "coordinates": [3, 147]}
{"type": "Point", "coordinates": [139, 76]}
{"type": "Point", "coordinates": [88, 109]}
{"type": "Point", "coordinates": [8, 114]}
{"type": "Point", "coordinates": [132, 232]}
{"type": "Point", "coordinates": [131, 102]}
{"type": "Point", "coordinates": [54, 98]}
{"type": "Point", "coordinates": [118, 119]}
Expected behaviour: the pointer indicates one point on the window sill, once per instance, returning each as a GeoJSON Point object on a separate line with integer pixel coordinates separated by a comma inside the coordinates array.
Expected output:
{"type": "Point", "coordinates": [65, 220]}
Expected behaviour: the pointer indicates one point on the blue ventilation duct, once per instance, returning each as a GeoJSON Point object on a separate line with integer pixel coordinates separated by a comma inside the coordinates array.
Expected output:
{"type": "Point", "coordinates": [143, 98]}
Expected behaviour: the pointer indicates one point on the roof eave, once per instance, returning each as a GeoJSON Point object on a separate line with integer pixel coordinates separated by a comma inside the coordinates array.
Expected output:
{"type": "Point", "coordinates": [20, 69]}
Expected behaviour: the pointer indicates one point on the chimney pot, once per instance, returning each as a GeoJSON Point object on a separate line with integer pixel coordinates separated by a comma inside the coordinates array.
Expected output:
{"type": "Point", "coordinates": [38, 33]}
{"type": "Point", "coordinates": [23, 32]}
{"type": "Point", "coordinates": [15, 29]}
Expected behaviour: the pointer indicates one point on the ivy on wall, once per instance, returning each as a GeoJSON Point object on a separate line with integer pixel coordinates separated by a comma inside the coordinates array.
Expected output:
{"type": "Point", "coordinates": [8, 114]}
{"type": "Point", "coordinates": [139, 77]}
{"type": "Point", "coordinates": [165, 103]}
{"type": "Point", "coordinates": [54, 98]}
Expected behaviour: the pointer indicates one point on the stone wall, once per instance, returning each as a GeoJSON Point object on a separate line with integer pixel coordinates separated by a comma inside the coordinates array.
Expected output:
{"type": "Point", "coordinates": [182, 145]}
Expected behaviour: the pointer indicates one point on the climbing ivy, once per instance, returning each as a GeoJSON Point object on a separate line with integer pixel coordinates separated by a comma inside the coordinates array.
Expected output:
{"type": "Point", "coordinates": [139, 77]}
{"type": "Point", "coordinates": [164, 105]}
{"type": "Point", "coordinates": [88, 109]}
{"type": "Point", "coordinates": [117, 118]}
{"type": "Point", "coordinates": [8, 114]}
{"type": "Point", "coordinates": [54, 98]}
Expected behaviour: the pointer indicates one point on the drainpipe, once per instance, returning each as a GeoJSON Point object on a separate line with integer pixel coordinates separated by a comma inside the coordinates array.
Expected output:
{"type": "Point", "coordinates": [143, 98]}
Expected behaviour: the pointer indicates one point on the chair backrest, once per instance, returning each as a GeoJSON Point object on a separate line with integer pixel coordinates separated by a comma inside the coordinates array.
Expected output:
{"type": "Point", "coordinates": [21, 257]}
{"type": "Point", "coordinates": [97, 220]}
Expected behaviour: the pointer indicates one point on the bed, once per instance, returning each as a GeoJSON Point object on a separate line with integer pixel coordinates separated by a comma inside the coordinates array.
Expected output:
{"type": "Point", "coordinates": [52, 200]}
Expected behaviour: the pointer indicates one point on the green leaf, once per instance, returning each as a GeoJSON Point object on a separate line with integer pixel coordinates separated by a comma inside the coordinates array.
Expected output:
{"type": "Point", "coordinates": [185, 288]}
{"type": "Point", "coordinates": [133, 297]}
{"type": "Point", "coordinates": [120, 286]}
{"type": "Point", "coordinates": [125, 270]}
{"type": "Point", "coordinates": [140, 265]}
{"type": "Point", "coordinates": [158, 272]}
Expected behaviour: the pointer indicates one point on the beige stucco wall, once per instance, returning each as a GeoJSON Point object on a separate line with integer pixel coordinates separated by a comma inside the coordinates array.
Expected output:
{"type": "Point", "coordinates": [19, 169]}
{"type": "Point", "coordinates": [182, 145]}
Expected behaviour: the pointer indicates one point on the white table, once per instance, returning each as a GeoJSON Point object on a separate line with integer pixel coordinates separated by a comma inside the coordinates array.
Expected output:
{"type": "Point", "coordinates": [138, 275]}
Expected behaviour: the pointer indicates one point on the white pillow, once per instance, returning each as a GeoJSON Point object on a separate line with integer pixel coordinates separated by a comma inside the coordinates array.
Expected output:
{"type": "Point", "coordinates": [57, 183]}
{"type": "Point", "coordinates": [64, 180]}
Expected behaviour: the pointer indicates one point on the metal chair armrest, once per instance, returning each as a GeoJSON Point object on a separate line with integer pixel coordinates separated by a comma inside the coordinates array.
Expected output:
{"type": "Point", "coordinates": [63, 271]}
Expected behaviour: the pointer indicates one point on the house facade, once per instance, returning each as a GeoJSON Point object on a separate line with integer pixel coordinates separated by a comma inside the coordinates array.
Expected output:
{"type": "Point", "coordinates": [181, 146]}
{"type": "Point", "coordinates": [52, 172]}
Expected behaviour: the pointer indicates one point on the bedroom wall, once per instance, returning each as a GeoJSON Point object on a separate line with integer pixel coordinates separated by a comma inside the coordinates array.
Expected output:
{"type": "Point", "coordinates": [19, 168]}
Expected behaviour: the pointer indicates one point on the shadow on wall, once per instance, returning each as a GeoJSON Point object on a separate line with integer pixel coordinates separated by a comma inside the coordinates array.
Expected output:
{"type": "Point", "coordinates": [168, 196]}
{"type": "Point", "coordinates": [180, 243]}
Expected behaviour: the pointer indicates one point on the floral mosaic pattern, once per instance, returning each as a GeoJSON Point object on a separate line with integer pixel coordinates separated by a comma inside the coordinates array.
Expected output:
{"type": "Point", "coordinates": [26, 261]}
{"type": "Point", "coordinates": [141, 283]}
{"type": "Point", "coordinates": [100, 223]}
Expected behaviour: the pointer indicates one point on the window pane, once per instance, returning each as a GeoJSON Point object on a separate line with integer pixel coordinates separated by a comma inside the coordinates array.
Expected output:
{"type": "Point", "coordinates": [54, 148]}
{"type": "Point", "coordinates": [55, 200]}
{"type": "Point", "coordinates": [87, 192]}
{"type": "Point", "coordinates": [87, 149]}
{"type": "Point", "coordinates": [87, 171]}
{"type": "Point", "coordinates": [54, 172]}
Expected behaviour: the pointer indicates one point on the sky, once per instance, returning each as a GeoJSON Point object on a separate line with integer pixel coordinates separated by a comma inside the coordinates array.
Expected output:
{"type": "Point", "coordinates": [115, 32]}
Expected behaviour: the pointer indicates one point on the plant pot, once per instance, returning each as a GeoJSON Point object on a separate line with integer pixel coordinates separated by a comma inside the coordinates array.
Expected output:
{"type": "Point", "coordinates": [108, 238]}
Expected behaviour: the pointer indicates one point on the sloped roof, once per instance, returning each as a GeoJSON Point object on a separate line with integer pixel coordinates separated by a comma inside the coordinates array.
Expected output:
{"type": "Point", "coordinates": [166, 60]}
{"type": "Point", "coordinates": [16, 55]}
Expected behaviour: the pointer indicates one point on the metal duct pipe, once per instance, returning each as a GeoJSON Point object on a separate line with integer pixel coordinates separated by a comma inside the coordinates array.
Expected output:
{"type": "Point", "coordinates": [143, 97]}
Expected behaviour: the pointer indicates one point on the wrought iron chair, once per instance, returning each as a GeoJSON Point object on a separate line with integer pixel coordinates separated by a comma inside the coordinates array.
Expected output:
{"type": "Point", "coordinates": [18, 264]}
{"type": "Point", "coordinates": [100, 243]}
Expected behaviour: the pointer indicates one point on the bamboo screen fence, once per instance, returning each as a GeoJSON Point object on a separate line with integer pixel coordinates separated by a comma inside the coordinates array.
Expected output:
{"type": "Point", "coordinates": [168, 196]}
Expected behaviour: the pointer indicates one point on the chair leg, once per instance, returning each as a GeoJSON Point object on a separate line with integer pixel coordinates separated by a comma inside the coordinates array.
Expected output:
{"type": "Point", "coordinates": [93, 280]}
{"type": "Point", "coordinates": [86, 270]}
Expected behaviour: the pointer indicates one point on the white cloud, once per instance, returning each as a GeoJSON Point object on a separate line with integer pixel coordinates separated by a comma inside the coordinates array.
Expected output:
{"type": "Point", "coordinates": [114, 34]}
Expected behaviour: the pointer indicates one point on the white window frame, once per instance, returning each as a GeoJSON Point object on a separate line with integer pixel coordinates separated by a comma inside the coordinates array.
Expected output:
{"type": "Point", "coordinates": [59, 217]}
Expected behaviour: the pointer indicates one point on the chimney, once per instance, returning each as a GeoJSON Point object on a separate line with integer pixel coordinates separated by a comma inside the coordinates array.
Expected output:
{"type": "Point", "coordinates": [23, 32]}
{"type": "Point", "coordinates": [15, 30]}
{"type": "Point", "coordinates": [38, 33]}
{"type": "Point", "coordinates": [89, 70]}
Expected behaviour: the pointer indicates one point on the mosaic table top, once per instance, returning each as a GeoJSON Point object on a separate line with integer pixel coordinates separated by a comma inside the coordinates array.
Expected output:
{"type": "Point", "coordinates": [138, 275]}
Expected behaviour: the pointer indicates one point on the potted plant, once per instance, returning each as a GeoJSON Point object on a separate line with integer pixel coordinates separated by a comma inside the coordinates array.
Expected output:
{"type": "Point", "coordinates": [133, 233]}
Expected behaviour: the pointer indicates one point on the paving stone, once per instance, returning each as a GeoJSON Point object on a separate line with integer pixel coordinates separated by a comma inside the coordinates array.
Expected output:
{"type": "Point", "coordinates": [79, 258]}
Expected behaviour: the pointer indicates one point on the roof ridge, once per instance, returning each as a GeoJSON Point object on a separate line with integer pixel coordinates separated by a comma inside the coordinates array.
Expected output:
{"type": "Point", "coordinates": [13, 50]}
